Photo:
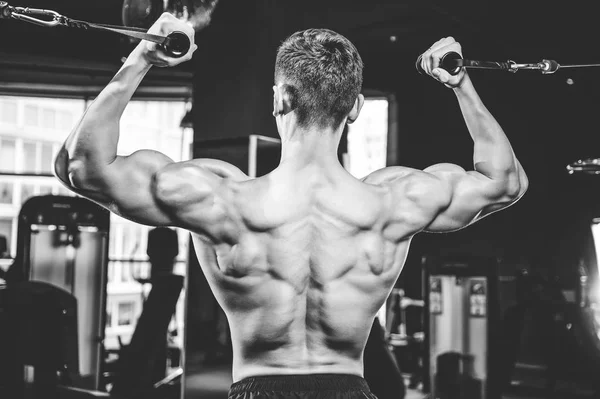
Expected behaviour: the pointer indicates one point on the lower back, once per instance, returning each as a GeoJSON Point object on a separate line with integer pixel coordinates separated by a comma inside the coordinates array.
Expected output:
{"type": "Point", "coordinates": [300, 333]}
{"type": "Point", "coordinates": [282, 326]}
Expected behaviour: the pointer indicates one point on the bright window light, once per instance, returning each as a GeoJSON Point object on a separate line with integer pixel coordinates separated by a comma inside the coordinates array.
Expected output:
{"type": "Point", "coordinates": [367, 138]}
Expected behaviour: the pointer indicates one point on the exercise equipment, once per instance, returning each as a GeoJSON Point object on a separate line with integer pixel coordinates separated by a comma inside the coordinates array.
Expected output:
{"type": "Point", "coordinates": [39, 340]}
{"type": "Point", "coordinates": [405, 334]}
{"type": "Point", "coordinates": [461, 327]}
{"type": "Point", "coordinates": [452, 62]}
{"type": "Point", "coordinates": [63, 241]}
{"type": "Point", "coordinates": [176, 44]}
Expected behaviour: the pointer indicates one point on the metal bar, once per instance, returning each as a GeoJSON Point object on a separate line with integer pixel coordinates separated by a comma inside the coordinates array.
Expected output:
{"type": "Point", "coordinates": [33, 15]}
{"type": "Point", "coordinates": [580, 66]}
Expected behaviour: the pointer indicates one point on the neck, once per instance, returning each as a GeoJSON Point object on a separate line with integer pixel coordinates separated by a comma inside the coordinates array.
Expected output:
{"type": "Point", "coordinates": [308, 146]}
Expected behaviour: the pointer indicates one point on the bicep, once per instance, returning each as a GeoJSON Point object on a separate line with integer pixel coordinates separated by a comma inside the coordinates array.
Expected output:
{"type": "Point", "coordinates": [471, 196]}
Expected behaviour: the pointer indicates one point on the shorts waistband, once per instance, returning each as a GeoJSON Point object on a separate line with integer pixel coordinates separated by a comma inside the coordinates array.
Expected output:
{"type": "Point", "coordinates": [299, 383]}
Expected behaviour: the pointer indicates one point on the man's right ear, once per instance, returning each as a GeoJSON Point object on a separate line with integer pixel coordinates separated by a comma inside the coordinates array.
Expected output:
{"type": "Point", "coordinates": [358, 104]}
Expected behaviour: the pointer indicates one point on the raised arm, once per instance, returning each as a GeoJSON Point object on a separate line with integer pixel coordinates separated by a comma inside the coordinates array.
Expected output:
{"type": "Point", "coordinates": [497, 181]}
{"type": "Point", "coordinates": [445, 197]}
{"type": "Point", "coordinates": [88, 163]}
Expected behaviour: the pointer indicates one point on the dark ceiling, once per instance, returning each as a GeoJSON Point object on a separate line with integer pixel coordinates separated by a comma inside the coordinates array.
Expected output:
{"type": "Point", "coordinates": [524, 31]}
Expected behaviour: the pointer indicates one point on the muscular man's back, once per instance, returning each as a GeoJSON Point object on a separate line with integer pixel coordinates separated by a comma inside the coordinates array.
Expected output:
{"type": "Point", "coordinates": [301, 259]}
{"type": "Point", "coordinates": [300, 264]}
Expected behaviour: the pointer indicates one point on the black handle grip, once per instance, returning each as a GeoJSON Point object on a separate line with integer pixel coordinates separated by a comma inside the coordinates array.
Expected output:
{"type": "Point", "coordinates": [449, 62]}
{"type": "Point", "coordinates": [177, 44]}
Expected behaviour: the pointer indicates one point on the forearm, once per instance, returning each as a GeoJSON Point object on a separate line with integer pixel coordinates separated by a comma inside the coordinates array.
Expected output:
{"type": "Point", "coordinates": [92, 145]}
{"type": "Point", "coordinates": [493, 155]}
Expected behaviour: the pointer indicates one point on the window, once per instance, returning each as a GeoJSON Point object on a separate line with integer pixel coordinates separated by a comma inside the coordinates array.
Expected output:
{"type": "Point", "coordinates": [367, 138]}
{"type": "Point", "coordinates": [109, 315]}
{"type": "Point", "coordinates": [6, 230]}
{"type": "Point", "coordinates": [6, 192]}
{"type": "Point", "coordinates": [49, 118]}
{"type": "Point", "coordinates": [45, 189]}
{"type": "Point", "coordinates": [8, 111]}
{"type": "Point", "coordinates": [111, 274]}
{"type": "Point", "coordinates": [47, 158]}
{"type": "Point", "coordinates": [7, 154]}
{"type": "Point", "coordinates": [112, 244]}
{"type": "Point", "coordinates": [131, 240]}
{"type": "Point", "coordinates": [31, 115]}
{"type": "Point", "coordinates": [29, 157]}
{"type": "Point", "coordinates": [125, 313]}
{"type": "Point", "coordinates": [63, 191]}
{"type": "Point", "coordinates": [42, 125]}
{"type": "Point", "coordinates": [126, 276]}
{"type": "Point", "coordinates": [27, 191]}
{"type": "Point", "coordinates": [65, 120]}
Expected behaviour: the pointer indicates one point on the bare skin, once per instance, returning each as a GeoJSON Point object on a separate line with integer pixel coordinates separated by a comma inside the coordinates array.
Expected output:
{"type": "Point", "coordinates": [300, 259]}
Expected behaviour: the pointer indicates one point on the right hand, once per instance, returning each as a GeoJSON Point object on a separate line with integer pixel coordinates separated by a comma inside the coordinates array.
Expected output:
{"type": "Point", "coordinates": [155, 54]}
{"type": "Point", "coordinates": [430, 62]}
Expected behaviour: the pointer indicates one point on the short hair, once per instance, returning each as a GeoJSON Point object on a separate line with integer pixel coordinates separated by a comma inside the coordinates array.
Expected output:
{"type": "Point", "coordinates": [325, 71]}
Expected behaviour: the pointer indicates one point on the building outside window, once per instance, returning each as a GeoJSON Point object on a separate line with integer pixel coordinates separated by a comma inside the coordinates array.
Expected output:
{"type": "Point", "coordinates": [32, 129]}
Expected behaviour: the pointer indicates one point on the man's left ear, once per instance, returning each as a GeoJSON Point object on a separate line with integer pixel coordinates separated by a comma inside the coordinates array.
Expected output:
{"type": "Point", "coordinates": [358, 104]}
{"type": "Point", "coordinates": [283, 99]}
{"type": "Point", "coordinates": [277, 101]}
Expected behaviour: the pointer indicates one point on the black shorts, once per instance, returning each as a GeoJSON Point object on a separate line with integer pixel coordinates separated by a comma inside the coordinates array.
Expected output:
{"type": "Point", "coordinates": [313, 386]}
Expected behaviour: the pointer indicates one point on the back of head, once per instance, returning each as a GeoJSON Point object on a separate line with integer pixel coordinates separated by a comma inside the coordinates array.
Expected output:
{"type": "Point", "coordinates": [324, 70]}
